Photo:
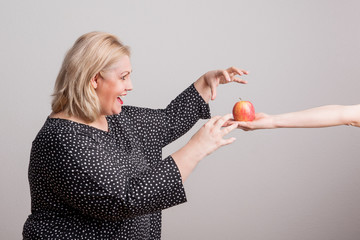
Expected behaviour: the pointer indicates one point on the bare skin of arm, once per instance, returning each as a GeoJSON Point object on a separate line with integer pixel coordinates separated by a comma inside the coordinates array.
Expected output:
{"type": "Point", "coordinates": [324, 116]}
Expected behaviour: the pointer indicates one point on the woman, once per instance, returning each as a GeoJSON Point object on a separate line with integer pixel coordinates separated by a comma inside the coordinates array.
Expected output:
{"type": "Point", "coordinates": [96, 168]}
{"type": "Point", "coordinates": [324, 116]}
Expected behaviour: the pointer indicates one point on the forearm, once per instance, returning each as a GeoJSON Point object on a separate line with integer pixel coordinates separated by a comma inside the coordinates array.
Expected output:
{"type": "Point", "coordinates": [325, 116]}
{"type": "Point", "coordinates": [186, 159]}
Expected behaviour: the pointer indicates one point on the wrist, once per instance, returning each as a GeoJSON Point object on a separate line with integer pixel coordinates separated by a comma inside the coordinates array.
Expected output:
{"type": "Point", "coordinates": [287, 120]}
{"type": "Point", "coordinates": [276, 122]}
{"type": "Point", "coordinates": [203, 88]}
{"type": "Point", "coordinates": [194, 150]}
{"type": "Point", "coordinates": [186, 159]}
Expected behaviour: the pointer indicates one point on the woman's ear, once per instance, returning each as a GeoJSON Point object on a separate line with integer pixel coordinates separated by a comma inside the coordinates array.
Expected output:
{"type": "Point", "coordinates": [94, 81]}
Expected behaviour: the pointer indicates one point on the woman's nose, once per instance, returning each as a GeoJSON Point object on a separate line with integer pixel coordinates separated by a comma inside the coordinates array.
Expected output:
{"type": "Point", "coordinates": [129, 86]}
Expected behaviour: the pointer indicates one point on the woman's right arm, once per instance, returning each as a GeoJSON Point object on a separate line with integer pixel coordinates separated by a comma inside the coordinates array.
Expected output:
{"type": "Point", "coordinates": [325, 116]}
{"type": "Point", "coordinates": [205, 141]}
{"type": "Point", "coordinates": [86, 177]}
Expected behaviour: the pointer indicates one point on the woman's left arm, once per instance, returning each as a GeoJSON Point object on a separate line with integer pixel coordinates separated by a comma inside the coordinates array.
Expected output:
{"type": "Point", "coordinates": [184, 111]}
{"type": "Point", "coordinates": [191, 105]}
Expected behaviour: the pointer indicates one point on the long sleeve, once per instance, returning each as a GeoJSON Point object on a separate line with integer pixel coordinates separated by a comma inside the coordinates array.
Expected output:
{"type": "Point", "coordinates": [89, 179]}
{"type": "Point", "coordinates": [172, 122]}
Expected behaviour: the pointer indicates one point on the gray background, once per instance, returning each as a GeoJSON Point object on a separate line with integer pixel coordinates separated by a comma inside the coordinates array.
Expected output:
{"type": "Point", "coordinates": [269, 185]}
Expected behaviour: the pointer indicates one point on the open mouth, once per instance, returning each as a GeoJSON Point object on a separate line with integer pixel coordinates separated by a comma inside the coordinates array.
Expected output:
{"type": "Point", "coordinates": [120, 100]}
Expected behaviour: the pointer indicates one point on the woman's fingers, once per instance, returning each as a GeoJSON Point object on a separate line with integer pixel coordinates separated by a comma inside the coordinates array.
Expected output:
{"type": "Point", "coordinates": [212, 120]}
{"type": "Point", "coordinates": [213, 92]}
{"type": "Point", "coordinates": [223, 131]}
{"type": "Point", "coordinates": [229, 122]}
{"type": "Point", "coordinates": [230, 73]}
{"type": "Point", "coordinates": [222, 120]}
{"type": "Point", "coordinates": [211, 135]}
{"type": "Point", "coordinates": [216, 77]}
{"type": "Point", "coordinates": [226, 75]}
{"type": "Point", "coordinates": [227, 130]}
{"type": "Point", "coordinates": [228, 141]}
{"type": "Point", "coordinates": [238, 80]}
{"type": "Point", "coordinates": [236, 71]}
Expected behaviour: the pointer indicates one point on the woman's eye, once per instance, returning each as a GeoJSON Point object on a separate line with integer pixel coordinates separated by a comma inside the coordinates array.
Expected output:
{"type": "Point", "coordinates": [125, 77]}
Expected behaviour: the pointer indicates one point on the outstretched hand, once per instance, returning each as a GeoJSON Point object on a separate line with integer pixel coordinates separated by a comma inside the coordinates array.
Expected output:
{"type": "Point", "coordinates": [211, 136]}
{"type": "Point", "coordinates": [206, 140]}
{"type": "Point", "coordinates": [208, 82]}
{"type": "Point", "coordinates": [216, 77]}
{"type": "Point", "coordinates": [261, 121]}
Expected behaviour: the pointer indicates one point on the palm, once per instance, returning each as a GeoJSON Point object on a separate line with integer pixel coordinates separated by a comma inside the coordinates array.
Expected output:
{"type": "Point", "coordinates": [261, 121]}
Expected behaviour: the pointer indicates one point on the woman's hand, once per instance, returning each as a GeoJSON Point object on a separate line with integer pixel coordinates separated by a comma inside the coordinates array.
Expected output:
{"type": "Point", "coordinates": [207, 83]}
{"type": "Point", "coordinates": [261, 121]}
{"type": "Point", "coordinates": [211, 135]}
{"type": "Point", "coordinates": [205, 141]}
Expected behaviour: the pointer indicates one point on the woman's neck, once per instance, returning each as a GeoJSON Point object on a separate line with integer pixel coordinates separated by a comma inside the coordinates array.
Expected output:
{"type": "Point", "coordinates": [100, 123]}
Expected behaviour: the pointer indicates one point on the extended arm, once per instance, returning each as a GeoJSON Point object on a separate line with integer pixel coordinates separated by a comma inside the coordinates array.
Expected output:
{"type": "Point", "coordinates": [186, 113]}
{"type": "Point", "coordinates": [324, 116]}
{"type": "Point", "coordinates": [209, 138]}
{"type": "Point", "coordinates": [99, 184]}
{"type": "Point", "coordinates": [185, 110]}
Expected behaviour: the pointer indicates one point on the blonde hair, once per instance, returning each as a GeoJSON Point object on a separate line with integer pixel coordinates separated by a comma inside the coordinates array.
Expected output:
{"type": "Point", "coordinates": [91, 53]}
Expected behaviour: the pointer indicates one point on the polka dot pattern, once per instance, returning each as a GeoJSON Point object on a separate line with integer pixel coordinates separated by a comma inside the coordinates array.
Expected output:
{"type": "Point", "coordinates": [90, 184]}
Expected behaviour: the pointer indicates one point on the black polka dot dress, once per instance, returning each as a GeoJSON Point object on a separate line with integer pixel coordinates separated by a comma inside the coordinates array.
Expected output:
{"type": "Point", "coordinates": [90, 184]}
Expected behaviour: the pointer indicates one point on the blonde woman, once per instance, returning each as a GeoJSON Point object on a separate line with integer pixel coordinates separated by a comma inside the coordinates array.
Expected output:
{"type": "Point", "coordinates": [318, 117]}
{"type": "Point", "coordinates": [96, 169]}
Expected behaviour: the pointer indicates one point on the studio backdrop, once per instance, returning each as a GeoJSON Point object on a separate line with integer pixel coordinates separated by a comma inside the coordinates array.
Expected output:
{"type": "Point", "coordinates": [283, 184]}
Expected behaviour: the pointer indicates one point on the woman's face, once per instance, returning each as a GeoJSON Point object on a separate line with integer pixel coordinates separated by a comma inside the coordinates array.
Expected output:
{"type": "Point", "coordinates": [112, 85]}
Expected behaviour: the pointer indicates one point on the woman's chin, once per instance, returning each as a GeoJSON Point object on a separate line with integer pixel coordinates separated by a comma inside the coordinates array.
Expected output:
{"type": "Point", "coordinates": [117, 111]}
{"type": "Point", "coordinates": [113, 112]}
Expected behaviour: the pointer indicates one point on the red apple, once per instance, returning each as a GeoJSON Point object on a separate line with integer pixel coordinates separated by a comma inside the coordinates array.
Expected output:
{"type": "Point", "coordinates": [244, 111]}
